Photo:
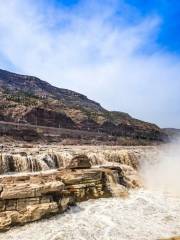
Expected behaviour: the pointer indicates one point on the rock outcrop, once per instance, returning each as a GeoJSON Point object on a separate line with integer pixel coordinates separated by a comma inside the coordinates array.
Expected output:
{"type": "Point", "coordinates": [80, 162]}
{"type": "Point", "coordinates": [30, 197]}
{"type": "Point", "coordinates": [44, 117]}
{"type": "Point", "coordinates": [37, 182]}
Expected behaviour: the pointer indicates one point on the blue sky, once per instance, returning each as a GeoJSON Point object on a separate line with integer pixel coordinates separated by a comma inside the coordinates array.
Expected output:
{"type": "Point", "coordinates": [124, 54]}
{"type": "Point", "coordinates": [169, 11]}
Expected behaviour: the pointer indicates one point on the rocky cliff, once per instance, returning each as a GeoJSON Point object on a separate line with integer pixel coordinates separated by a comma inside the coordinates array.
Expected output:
{"type": "Point", "coordinates": [29, 100]}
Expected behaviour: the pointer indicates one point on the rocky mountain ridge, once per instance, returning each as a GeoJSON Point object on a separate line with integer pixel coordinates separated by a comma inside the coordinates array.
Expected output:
{"type": "Point", "coordinates": [29, 100]}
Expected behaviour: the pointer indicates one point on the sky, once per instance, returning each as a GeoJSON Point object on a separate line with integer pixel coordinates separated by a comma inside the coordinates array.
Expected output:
{"type": "Point", "coordinates": [124, 54]}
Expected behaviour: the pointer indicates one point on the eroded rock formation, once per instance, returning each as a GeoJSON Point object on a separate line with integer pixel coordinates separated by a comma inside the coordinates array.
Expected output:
{"type": "Point", "coordinates": [67, 177]}
{"type": "Point", "coordinates": [29, 197]}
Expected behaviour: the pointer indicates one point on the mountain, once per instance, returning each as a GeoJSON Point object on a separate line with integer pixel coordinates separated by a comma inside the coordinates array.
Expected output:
{"type": "Point", "coordinates": [29, 100]}
{"type": "Point", "coordinates": [173, 133]}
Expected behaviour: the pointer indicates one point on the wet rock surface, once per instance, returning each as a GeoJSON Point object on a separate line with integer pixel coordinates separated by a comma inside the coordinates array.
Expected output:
{"type": "Point", "coordinates": [38, 181]}
{"type": "Point", "coordinates": [80, 162]}
{"type": "Point", "coordinates": [29, 197]}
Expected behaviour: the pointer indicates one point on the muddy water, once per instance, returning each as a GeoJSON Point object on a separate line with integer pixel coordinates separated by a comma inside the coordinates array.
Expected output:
{"type": "Point", "coordinates": [144, 215]}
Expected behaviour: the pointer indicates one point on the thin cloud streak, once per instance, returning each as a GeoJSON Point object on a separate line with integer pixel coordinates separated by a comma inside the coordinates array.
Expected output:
{"type": "Point", "coordinates": [94, 51]}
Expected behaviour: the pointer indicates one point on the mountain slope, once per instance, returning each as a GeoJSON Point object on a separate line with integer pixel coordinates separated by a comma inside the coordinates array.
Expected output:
{"type": "Point", "coordinates": [173, 133]}
{"type": "Point", "coordinates": [28, 99]}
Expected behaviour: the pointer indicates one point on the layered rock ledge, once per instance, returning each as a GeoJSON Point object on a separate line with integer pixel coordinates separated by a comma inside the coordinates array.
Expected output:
{"type": "Point", "coordinates": [40, 181]}
{"type": "Point", "coordinates": [29, 197]}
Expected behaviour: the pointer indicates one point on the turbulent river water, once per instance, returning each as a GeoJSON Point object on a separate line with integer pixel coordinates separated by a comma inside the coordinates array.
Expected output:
{"type": "Point", "coordinates": [144, 215]}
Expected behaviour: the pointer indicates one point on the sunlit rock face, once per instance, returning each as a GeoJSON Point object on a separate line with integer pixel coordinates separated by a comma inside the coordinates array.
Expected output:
{"type": "Point", "coordinates": [63, 176]}
{"type": "Point", "coordinates": [28, 197]}
{"type": "Point", "coordinates": [40, 181]}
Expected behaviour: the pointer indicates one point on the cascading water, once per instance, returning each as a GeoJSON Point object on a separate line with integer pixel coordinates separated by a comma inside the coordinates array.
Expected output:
{"type": "Point", "coordinates": [147, 214]}
{"type": "Point", "coordinates": [113, 156]}
{"type": "Point", "coordinates": [32, 162]}
{"type": "Point", "coordinates": [15, 163]}
{"type": "Point", "coordinates": [113, 184]}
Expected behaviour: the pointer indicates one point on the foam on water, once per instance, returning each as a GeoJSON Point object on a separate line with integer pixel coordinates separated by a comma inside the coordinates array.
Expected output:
{"type": "Point", "coordinates": [144, 215]}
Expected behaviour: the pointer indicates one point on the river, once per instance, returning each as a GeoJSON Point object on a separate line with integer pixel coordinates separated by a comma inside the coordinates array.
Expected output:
{"type": "Point", "coordinates": [144, 215]}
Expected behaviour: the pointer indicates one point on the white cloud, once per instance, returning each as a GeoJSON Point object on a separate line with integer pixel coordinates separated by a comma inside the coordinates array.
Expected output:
{"type": "Point", "coordinates": [93, 51]}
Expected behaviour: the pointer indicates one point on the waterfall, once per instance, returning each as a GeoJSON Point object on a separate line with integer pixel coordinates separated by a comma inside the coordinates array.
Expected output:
{"type": "Point", "coordinates": [39, 159]}
{"type": "Point", "coordinates": [3, 163]}
{"type": "Point", "coordinates": [61, 159]}
{"type": "Point", "coordinates": [33, 164]}
{"type": "Point", "coordinates": [12, 163]}
{"type": "Point", "coordinates": [113, 184]}
{"type": "Point", "coordinates": [114, 156]}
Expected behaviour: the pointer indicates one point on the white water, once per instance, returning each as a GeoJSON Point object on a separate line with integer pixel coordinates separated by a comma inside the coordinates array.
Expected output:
{"type": "Point", "coordinates": [162, 173]}
{"type": "Point", "coordinates": [144, 215]}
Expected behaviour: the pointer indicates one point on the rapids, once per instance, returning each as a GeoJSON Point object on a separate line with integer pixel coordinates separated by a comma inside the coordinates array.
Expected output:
{"type": "Point", "coordinates": [144, 215]}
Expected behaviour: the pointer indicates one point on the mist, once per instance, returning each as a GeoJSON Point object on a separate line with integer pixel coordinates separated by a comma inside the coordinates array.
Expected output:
{"type": "Point", "coordinates": [162, 172]}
